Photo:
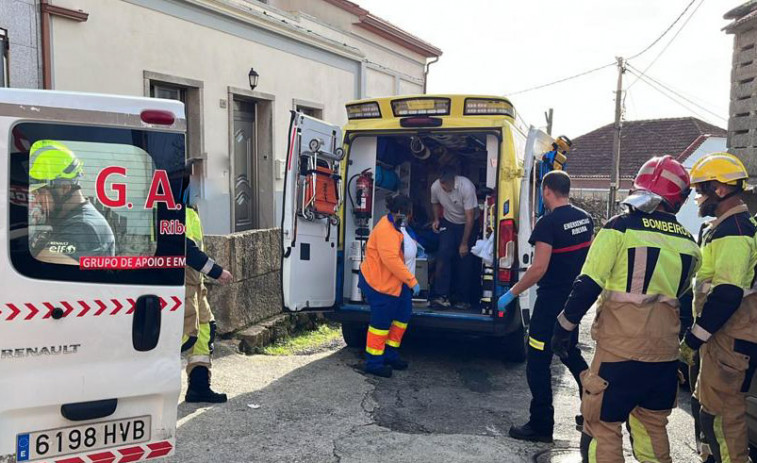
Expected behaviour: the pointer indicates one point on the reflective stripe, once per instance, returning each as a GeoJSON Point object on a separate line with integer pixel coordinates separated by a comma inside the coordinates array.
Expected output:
{"type": "Point", "coordinates": [668, 175]}
{"type": "Point", "coordinates": [374, 351]}
{"type": "Point", "coordinates": [199, 359]}
{"type": "Point", "coordinates": [704, 287]}
{"type": "Point", "coordinates": [641, 299]}
{"type": "Point", "coordinates": [565, 323]}
{"type": "Point", "coordinates": [375, 341]}
{"type": "Point", "coordinates": [725, 455]}
{"type": "Point", "coordinates": [641, 441]}
{"type": "Point", "coordinates": [701, 333]}
{"type": "Point", "coordinates": [396, 332]}
{"type": "Point", "coordinates": [378, 332]}
{"type": "Point", "coordinates": [636, 285]}
{"type": "Point", "coordinates": [208, 266]}
{"type": "Point", "coordinates": [575, 247]}
{"type": "Point", "coordinates": [535, 343]}
{"type": "Point", "coordinates": [593, 451]}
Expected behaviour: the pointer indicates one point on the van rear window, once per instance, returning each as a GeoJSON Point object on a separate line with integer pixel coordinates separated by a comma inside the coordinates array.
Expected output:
{"type": "Point", "coordinates": [96, 204]}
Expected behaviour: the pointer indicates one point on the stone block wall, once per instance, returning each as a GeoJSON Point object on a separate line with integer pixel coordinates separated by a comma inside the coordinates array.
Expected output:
{"type": "Point", "coordinates": [742, 124]}
{"type": "Point", "coordinates": [21, 19]}
{"type": "Point", "coordinates": [254, 258]}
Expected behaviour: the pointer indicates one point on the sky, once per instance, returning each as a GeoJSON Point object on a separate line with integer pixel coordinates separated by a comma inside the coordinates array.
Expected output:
{"type": "Point", "coordinates": [502, 46]}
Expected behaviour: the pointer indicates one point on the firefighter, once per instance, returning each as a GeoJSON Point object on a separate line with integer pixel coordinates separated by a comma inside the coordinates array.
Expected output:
{"type": "Point", "coordinates": [388, 286]}
{"type": "Point", "coordinates": [561, 239]}
{"type": "Point", "coordinates": [640, 262]}
{"type": "Point", "coordinates": [724, 333]}
{"type": "Point", "coordinates": [199, 324]}
{"type": "Point", "coordinates": [58, 202]}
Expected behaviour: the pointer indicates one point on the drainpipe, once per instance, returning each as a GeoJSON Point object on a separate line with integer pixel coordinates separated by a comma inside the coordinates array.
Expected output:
{"type": "Point", "coordinates": [47, 11]}
{"type": "Point", "coordinates": [425, 73]}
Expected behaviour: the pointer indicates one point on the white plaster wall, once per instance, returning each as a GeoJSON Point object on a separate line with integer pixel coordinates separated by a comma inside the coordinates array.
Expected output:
{"type": "Point", "coordinates": [410, 88]}
{"type": "Point", "coordinates": [110, 51]}
{"type": "Point", "coordinates": [689, 213]}
{"type": "Point", "coordinates": [378, 83]}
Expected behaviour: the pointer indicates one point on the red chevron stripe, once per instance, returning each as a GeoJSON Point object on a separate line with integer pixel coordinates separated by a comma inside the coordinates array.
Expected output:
{"type": "Point", "coordinates": [103, 457]}
{"type": "Point", "coordinates": [131, 454]}
{"type": "Point", "coordinates": [159, 449]}
{"type": "Point", "coordinates": [14, 311]}
{"type": "Point", "coordinates": [68, 307]}
{"type": "Point", "coordinates": [50, 309]}
{"type": "Point", "coordinates": [118, 304]}
{"type": "Point", "coordinates": [132, 305]}
{"type": "Point", "coordinates": [178, 303]}
{"type": "Point", "coordinates": [86, 309]}
{"type": "Point", "coordinates": [33, 311]}
{"type": "Point", "coordinates": [163, 303]}
{"type": "Point", "coordinates": [102, 308]}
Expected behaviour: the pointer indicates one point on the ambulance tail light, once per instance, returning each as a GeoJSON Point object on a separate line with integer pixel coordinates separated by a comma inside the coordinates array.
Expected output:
{"type": "Point", "coordinates": [506, 251]}
{"type": "Point", "coordinates": [157, 116]}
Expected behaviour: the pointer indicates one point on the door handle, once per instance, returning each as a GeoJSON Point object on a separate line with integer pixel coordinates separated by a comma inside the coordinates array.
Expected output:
{"type": "Point", "coordinates": [145, 327]}
{"type": "Point", "coordinates": [89, 410]}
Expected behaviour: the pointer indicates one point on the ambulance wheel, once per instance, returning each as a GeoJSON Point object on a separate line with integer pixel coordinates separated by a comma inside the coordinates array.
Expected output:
{"type": "Point", "coordinates": [354, 334]}
{"type": "Point", "coordinates": [512, 347]}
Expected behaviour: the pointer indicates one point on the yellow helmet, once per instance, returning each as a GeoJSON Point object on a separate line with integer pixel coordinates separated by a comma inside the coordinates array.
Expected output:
{"type": "Point", "coordinates": [723, 167]}
{"type": "Point", "coordinates": [51, 163]}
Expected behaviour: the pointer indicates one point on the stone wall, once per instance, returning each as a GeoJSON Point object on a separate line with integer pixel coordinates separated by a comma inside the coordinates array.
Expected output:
{"type": "Point", "coordinates": [742, 125]}
{"type": "Point", "coordinates": [21, 19]}
{"type": "Point", "coordinates": [254, 258]}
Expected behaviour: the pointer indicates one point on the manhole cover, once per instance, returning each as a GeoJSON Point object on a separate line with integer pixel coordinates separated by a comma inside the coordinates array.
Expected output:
{"type": "Point", "coordinates": [572, 455]}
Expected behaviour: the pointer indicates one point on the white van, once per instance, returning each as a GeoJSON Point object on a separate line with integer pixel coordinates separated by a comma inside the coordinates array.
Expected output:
{"type": "Point", "coordinates": [93, 276]}
{"type": "Point", "coordinates": [335, 190]}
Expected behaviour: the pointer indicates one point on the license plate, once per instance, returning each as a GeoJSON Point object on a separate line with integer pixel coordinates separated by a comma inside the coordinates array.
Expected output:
{"type": "Point", "coordinates": [35, 445]}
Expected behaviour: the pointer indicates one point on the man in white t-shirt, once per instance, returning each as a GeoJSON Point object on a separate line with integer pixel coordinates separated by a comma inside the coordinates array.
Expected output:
{"type": "Point", "coordinates": [453, 199]}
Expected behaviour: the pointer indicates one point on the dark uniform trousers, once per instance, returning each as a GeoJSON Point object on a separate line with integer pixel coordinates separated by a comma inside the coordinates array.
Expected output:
{"type": "Point", "coordinates": [549, 303]}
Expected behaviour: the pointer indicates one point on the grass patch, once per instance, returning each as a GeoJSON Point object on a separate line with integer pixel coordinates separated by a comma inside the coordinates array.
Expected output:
{"type": "Point", "coordinates": [324, 337]}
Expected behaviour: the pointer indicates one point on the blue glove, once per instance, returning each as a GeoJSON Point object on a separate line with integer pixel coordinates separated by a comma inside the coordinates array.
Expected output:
{"type": "Point", "coordinates": [416, 289]}
{"type": "Point", "coordinates": [505, 300]}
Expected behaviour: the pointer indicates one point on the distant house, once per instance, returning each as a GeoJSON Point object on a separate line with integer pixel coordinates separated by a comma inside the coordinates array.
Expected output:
{"type": "Point", "coordinates": [686, 138]}
{"type": "Point", "coordinates": [742, 125]}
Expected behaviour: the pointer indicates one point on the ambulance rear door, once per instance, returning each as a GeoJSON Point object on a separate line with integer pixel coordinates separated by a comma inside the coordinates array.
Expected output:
{"type": "Point", "coordinates": [309, 232]}
{"type": "Point", "coordinates": [538, 142]}
{"type": "Point", "coordinates": [92, 258]}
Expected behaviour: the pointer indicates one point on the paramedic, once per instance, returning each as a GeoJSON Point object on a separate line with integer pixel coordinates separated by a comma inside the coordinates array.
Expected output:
{"type": "Point", "coordinates": [724, 332]}
{"type": "Point", "coordinates": [388, 286]}
{"type": "Point", "coordinates": [456, 196]}
{"type": "Point", "coordinates": [199, 324]}
{"type": "Point", "coordinates": [73, 227]}
{"type": "Point", "coordinates": [562, 239]}
{"type": "Point", "coordinates": [641, 262]}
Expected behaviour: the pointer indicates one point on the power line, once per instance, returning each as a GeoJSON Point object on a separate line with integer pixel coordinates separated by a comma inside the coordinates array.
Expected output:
{"type": "Point", "coordinates": [666, 87]}
{"type": "Point", "coordinates": [561, 80]}
{"type": "Point", "coordinates": [664, 32]}
{"type": "Point", "coordinates": [683, 26]}
{"type": "Point", "coordinates": [687, 96]}
{"type": "Point", "coordinates": [663, 93]}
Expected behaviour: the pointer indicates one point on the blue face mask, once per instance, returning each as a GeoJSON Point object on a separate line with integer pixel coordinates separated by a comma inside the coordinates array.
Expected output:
{"type": "Point", "coordinates": [188, 196]}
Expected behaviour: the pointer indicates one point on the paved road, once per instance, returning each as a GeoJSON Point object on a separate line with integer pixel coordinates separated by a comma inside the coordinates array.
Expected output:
{"type": "Point", "coordinates": [455, 404]}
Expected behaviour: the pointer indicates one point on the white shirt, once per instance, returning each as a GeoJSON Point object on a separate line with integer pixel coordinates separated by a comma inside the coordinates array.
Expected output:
{"type": "Point", "coordinates": [462, 198]}
{"type": "Point", "coordinates": [410, 250]}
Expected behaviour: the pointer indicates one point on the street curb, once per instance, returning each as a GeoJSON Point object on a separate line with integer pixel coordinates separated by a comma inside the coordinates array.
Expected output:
{"type": "Point", "coordinates": [253, 339]}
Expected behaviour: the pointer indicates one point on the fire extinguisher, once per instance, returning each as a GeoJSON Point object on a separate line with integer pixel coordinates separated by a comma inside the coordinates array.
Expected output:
{"type": "Point", "coordinates": [363, 206]}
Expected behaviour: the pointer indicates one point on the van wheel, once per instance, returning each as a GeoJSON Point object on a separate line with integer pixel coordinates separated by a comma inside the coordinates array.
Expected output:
{"type": "Point", "coordinates": [354, 334]}
{"type": "Point", "coordinates": [512, 347]}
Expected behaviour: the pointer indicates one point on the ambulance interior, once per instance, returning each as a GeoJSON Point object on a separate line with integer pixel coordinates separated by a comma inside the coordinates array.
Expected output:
{"type": "Point", "coordinates": [410, 164]}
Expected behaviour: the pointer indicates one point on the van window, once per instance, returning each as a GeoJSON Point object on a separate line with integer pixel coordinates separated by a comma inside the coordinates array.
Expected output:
{"type": "Point", "coordinates": [96, 204]}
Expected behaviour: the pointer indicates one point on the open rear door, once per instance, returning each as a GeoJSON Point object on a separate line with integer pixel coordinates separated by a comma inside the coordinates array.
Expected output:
{"type": "Point", "coordinates": [537, 143]}
{"type": "Point", "coordinates": [310, 221]}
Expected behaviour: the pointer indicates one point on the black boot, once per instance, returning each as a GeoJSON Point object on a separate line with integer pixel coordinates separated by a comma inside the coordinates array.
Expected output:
{"type": "Point", "coordinates": [199, 390]}
{"type": "Point", "coordinates": [528, 433]}
{"type": "Point", "coordinates": [398, 364]}
{"type": "Point", "coordinates": [384, 371]}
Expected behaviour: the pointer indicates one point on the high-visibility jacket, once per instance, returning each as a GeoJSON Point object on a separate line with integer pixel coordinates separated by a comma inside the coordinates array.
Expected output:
{"type": "Point", "coordinates": [384, 265]}
{"type": "Point", "coordinates": [640, 264]}
{"type": "Point", "coordinates": [724, 284]}
{"type": "Point", "coordinates": [194, 233]}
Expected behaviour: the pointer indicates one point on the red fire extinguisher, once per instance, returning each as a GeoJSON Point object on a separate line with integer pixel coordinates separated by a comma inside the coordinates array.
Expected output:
{"type": "Point", "coordinates": [364, 194]}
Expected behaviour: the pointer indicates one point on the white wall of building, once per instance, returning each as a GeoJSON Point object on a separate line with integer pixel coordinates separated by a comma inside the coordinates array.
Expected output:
{"type": "Point", "coordinates": [217, 45]}
{"type": "Point", "coordinates": [689, 213]}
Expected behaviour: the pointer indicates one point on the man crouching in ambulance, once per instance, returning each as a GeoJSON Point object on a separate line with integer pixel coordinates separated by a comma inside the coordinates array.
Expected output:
{"type": "Point", "coordinates": [199, 324]}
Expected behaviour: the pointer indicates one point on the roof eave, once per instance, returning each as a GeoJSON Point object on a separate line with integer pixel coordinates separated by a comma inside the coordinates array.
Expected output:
{"type": "Point", "coordinates": [394, 34]}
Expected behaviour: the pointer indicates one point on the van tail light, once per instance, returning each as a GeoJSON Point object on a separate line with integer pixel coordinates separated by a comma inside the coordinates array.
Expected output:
{"type": "Point", "coordinates": [506, 251]}
{"type": "Point", "coordinates": [157, 116]}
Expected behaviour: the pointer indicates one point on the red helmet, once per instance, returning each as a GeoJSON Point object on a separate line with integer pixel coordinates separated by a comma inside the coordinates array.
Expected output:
{"type": "Point", "coordinates": [665, 178]}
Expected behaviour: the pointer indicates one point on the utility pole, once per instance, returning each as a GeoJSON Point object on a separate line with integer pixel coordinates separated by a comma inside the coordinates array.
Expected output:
{"type": "Point", "coordinates": [549, 115]}
{"type": "Point", "coordinates": [615, 172]}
